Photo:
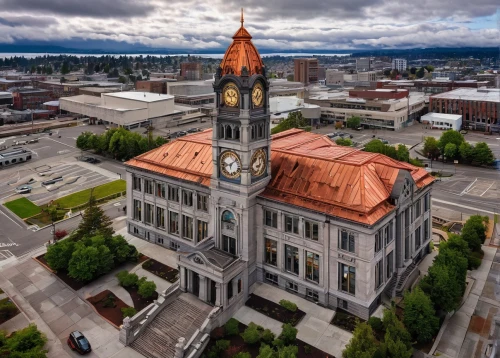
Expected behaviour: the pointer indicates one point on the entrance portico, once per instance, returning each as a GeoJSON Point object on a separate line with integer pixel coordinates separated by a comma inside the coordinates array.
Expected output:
{"type": "Point", "coordinates": [214, 276]}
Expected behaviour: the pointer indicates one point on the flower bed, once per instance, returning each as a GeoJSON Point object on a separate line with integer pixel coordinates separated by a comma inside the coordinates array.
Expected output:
{"type": "Point", "coordinates": [109, 306]}
{"type": "Point", "coordinates": [274, 310]}
{"type": "Point", "coordinates": [237, 344]}
{"type": "Point", "coordinates": [161, 270]}
{"type": "Point", "coordinates": [140, 302]}
{"type": "Point", "coordinates": [345, 320]}
{"type": "Point", "coordinates": [8, 309]}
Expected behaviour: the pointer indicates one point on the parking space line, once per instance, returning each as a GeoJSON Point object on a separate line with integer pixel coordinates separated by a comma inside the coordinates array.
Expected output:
{"type": "Point", "coordinates": [468, 188]}
{"type": "Point", "coordinates": [487, 189]}
{"type": "Point", "coordinates": [8, 217]}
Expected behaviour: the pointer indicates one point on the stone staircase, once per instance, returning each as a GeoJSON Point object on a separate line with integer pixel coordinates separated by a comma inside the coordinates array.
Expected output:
{"type": "Point", "coordinates": [181, 318]}
{"type": "Point", "coordinates": [402, 278]}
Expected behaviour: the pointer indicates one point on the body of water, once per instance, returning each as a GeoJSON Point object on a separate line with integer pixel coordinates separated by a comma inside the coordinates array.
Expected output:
{"type": "Point", "coordinates": [212, 55]}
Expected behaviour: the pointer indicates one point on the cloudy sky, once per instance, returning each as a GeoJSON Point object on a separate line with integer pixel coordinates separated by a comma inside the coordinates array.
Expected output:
{"type": "Point", "coordinates": [274, 24]}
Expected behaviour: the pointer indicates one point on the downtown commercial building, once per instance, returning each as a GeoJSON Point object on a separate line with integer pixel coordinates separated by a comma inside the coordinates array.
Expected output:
{"type": "Point", "coordinates": [306, 70]}
{"type": "Point", "coordinates": [479, 108]}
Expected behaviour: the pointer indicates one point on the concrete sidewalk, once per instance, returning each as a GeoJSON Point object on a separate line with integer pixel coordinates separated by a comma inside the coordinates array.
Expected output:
{"type": "Point", "coordinates": [314, 329]}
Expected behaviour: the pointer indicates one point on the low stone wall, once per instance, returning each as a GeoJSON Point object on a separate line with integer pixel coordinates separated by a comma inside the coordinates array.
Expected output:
{"type": "Point", "coordinates": [133, 327]}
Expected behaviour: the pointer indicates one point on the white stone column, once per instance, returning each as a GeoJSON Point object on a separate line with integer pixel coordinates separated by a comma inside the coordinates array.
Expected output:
{"type": "Point", "coordinates": [218, 294]}
{"type": "Point", "coordinates": [182, 279]}
{"type": "Point", "coordinates": [203, 288]}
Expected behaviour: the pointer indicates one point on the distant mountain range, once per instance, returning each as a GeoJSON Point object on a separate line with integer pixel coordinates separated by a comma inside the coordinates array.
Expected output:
{"type": "Point", "coordinates": [97, 47]}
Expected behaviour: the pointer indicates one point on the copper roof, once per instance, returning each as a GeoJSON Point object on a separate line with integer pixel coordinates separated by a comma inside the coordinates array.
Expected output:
{"type": "Point", "coordinates": [308, 170]}
{"type": "Point", "coordinates": [241, 53]}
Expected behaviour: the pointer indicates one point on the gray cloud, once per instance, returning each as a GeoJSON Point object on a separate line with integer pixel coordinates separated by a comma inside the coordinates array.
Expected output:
{"type": "Point", "coordinates": [86, 8]}
{"type": "Point", "coordinates": [30, 21]}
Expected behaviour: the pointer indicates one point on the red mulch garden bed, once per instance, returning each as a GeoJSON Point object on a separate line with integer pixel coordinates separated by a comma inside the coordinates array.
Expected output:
{"type": "Point", "coordinates": [139, 302]}
{"type": "Point", "coordinates": [238, 345]}
{"type": "Point", "coordinates": [165, 272]}
{"type": "Point", "coordinates": [9, 310]}
{"type": "Point", "coordinates": [274, 310]}
{"type": "Point", "coordinates": [71, 282]}
{"type": "Point", "coordinates": [109, 306]}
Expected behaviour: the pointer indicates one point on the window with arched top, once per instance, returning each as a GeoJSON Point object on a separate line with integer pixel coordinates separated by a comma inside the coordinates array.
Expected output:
{"type": "Point", "coordinates": [261, 131]}
{"type": "Point", "coordinates": [237, 133]}
{"type": "Point", "coordinates": [253, 132]}
{"type": "Point", "coordinates": [228, 217]}
{"type": "Point", "coordinates": [229, 132]}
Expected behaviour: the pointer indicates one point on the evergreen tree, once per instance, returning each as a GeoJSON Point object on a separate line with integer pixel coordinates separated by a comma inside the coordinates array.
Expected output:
{"type": "Point", "coordinates": [94, 222]}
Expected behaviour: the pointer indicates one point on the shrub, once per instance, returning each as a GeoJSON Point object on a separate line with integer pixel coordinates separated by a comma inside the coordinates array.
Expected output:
{"type": "Point", "coordinates": [288, 334]}
{"type": "Point", "coordinates": [267, 336]}
{"type": "Point", "coordinates": [222, 344]}
{"type": "Point", "coordinates": [109, 302]}
{"type": "Point", "coordinates": [59, 234]}
{"type": "Point", "coordinates": [231, 327]}
{"type": "Point", "coordinates": [128, 312]}
{"type": "Point", "coordinates": [307, 349]}
{"type": "Point", "coordinates": [59, 254]}
{"type": "Point", "coordinates": [147, 289]}
{"type": "Point", "coordinates": [266, 351]}
{"type": "Point", "coordinates": [376, 323]}
{"type": "Point", "coordinates": [473, 262]}
{"type": "Point", "coordinates": [251, 334]}
{"type": "Point", "coordinates": [289, 305]}
{"type": "Point", "coordinates": [147, 264]}
{"type": "Point", "coordinates": [27, 342]}
{"type": "Point", "coordinates": [278, 343]}
{"type": "Point", "coordinates": [338, 125]}
{"type": "Point", "coordinates": [127, 279]}
{"type": "Point", "coordinates": [243, 355]}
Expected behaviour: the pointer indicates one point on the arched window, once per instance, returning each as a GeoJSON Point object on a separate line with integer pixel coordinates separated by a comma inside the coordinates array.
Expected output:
{"type": "Point", "coordinates": [229, 132]}
{"type": "Point", "coordinates": [237, 133]}
{"type": "Point", "coordinates": [253, 132]}
{"type": "Point", "coordinates": [261, 131]}
{"type": "Point", "coordinates": [221, 131]}
{"type": "Point", "coordinates": [228, 217]}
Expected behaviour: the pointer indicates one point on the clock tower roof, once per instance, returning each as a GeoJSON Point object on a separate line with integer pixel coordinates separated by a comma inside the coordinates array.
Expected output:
{"type": "Point", "coordinates": [241, 53]}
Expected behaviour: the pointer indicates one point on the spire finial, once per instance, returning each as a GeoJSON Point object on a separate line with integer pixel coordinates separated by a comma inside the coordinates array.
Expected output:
{"type": "Point", "coordinates": [242, 20]}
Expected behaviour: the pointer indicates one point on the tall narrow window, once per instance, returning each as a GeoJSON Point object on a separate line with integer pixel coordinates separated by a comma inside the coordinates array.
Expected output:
{"type": "Point", "coordinates": [148, 187]}
{"type": "Point", "coordinates": [311, 230]}
{"type": "Point", "coordinates": [229, 244]}
{"type": "Point", "coordinates": [426, 202]}
{"type": "Point", "coordinates": [292, 259]}
{"type": "Point", "coordinates": [187, 227]}
{"type": "Point", "coordinates": [148, 217]}
{"type": "Point", "coordinates": [312, 266]}
{"type": "Point", "coordinates": [346, 241]}
{"type": "Point", "coordinates": [137, 210]}
{"type": "Point", "coordinates": [136, 183]}
{"type": "Point", "coordinates": [417, 237]}
{"type": "Point", "coordinates": [292, 224]}
{"type": "Point", "coordinates": [378, 242]}
{"type": "Point", "coordinates": [347, 278]}
{"type": "Point", "coordinates": [271, 252]}
{"type": "Point", "coordinates": [389, 261]}
{"type": "Point", "coordinates": [202, 202]}
{"type": "Point", "coordinates": [160, 190]}
{"type": "Point", "coordinates": [426, 229]}
{"type": "Point", "coordinates": [202, 230]}
{"type": "Point", "coordinates": [173, 226]}
{"type": "Point", "coordinates": [229, 132]}
{"type": "Point", "coordinates": [173, 193]}
{"type": "Point", "coordinates": [271, 218]}
{"type": "Point", "coordinates": [230, 289]}
{"type": "Point", "coordinates": [160, 217]}
{"type": "Point", "coordinates": [379, 274]}
{"type": "Point", "coordinates": [187, 198]}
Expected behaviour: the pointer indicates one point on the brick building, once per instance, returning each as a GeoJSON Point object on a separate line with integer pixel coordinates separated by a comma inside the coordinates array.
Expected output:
{"type": "Point", "coordinates": [29, 98]}
{"type": "Point", "coordinates": [192, 71]}
{"type": "Point", "coordinates": [306, 70]}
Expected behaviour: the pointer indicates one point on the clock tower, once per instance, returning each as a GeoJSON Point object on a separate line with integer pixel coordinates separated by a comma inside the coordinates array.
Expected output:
{"type": "Point", "coordinates": [241, 146]}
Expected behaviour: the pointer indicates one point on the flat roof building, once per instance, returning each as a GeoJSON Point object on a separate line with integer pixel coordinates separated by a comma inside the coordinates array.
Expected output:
{"type": "Point", "coordinates": [306, 70]}
{"type": "Point", "coordinates": [443, 121]}
{"type": "Point", "coordinates": [479, 107]}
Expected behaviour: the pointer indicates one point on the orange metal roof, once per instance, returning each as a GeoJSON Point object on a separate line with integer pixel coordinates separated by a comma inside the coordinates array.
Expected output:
{"type": "Point", "coordinates": [308, 170]}
{"type": "Point", "coordinates": [241, 52]}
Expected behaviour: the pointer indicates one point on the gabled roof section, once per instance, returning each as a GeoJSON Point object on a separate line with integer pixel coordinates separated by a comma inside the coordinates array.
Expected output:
{"type": "Point", "coordinates": [308, 170]}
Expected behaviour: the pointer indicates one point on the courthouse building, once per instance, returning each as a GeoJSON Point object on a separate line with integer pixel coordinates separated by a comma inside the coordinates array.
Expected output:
{"type": "Point", "coordinates": [329, 223]}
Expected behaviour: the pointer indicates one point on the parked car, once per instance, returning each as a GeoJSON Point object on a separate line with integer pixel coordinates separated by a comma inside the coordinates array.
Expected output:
{"type": "Point", "coordinates": [78, 342]}
{"type": "Point", "coordinates": [463, 131]}
{"type": "Point", "coordinates": [181, 133]}
{"type": "Point", "coordinates": [193, 130]}
{"type": "Point", "coordinates": [92, 160]}
{"type": "Point", "coordinates": [359, 128]}
{"type": "Point", "coordinates": [52, 181]}
{"type": "Point", "coordinates": [23, 189]}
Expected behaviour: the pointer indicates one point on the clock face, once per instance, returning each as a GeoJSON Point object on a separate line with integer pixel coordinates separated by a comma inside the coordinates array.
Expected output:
{"type": "Point", "coordinates": [258, 95]}
{"type": "Point", "coordinates": [231, 95]}
{"type": "Point", "coordinates": [258, 163]}
{"type": "Point", "coordinates": [230, 165]}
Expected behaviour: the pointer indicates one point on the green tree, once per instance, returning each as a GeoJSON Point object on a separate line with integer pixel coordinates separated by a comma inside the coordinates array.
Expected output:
{"type": "Point", "coordinates": [294, 120]}
{"type": "Point", "coordinates": [450, 136]}
{"type": "Point", "coordinates": [251, 335]}
{"type": "Point", "coordinates": [288, 351]}
{"type": "Point", "coordinates": [345, 142]}
{"type": "Point", "coordinates": [105, 257]}
{"type": "Point", "coordinates": [288, 333]}
{"type": "Point", "coordinates": [429, 68]}
{"type": "Point", "coordinates": [395, 348]}
{"type": "Point", "coordinates": [94, 222]}
{"type": "Point", "coordinates": [25, 343]}
{"type": "Point", "coordinates": [395, 328]}
{"type": "Point", "coordinates": [65, 68]}
{"type": "Point", "coordinates": [106, 68]}
{"type": "Point", "coordinates": [420, 72]}
{"type": "Point", "coordinates": [482, 154]}
{"type": "Point", "coordinates": [419, 316]}
{"type": "Point", "coordinates": [84, 263]}
{"type": "Point", "coordinates": [466, 152]}
{"type": "Point", "coordinates": [474, 232]}
{"type": "Point", "coordinates": [441, 286]}
{"type": "Point", "coordinates": [375, 146]}
{"type": "Point", "coordinates": [457, 243]}
{"type": "Point", "coordinates": [353, 122]}
{"type": "Point", "coordinates": [266, 351]}
{"type": "Point", "coordinates": [127, 279]}
{"type": "Point", "coordinates": [431, 147]}
{"type": "Point", "coordinates": [387, 73]}
{"type": "Point", "coordinates": [450, 151]}
{"type": "Point", "coordinates": [59, 254]}
{"type": "Point", "coordinates": [122, 79]}
{"type": "Point", "coordinates": [362, 344]}
{"type": "Point", "coordinates": [83, 141]}
{"type": "Point", "coordinates": [146, 289]}
{"type": "Point", "coordinates": [402, 153]}
{"type": "Point", "coordinates": [413, 70]}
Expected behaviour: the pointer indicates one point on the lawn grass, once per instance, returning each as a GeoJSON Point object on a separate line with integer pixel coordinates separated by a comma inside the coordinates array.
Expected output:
{"type": "Point", "coordinates": [81, 197]}
{"type": "Point", "coordinates": [23, 207]}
